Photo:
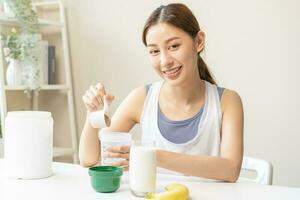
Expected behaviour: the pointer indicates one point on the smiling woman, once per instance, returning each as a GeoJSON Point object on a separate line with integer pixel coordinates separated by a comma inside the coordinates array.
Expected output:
{"type": "Point", "coordinates": [197, 126]}
{"type": "Point", "coordinates": [177, 17]}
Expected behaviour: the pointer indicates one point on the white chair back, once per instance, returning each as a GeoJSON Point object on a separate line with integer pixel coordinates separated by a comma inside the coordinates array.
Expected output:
{"type": "Point", "coordinates": [263, 169]}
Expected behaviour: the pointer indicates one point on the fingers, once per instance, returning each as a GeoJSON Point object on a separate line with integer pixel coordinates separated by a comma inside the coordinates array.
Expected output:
{"type": "Point", "coordinates": [87, 99]}
{"type": "Point", "coordinates": [109, 98]}
{"type": "Point", "coordinates": [119, 149]}
{"type": "Point", "coordinates": [125, 167]}
{"type": "Point", "coordinates": [90, 100]}
{"type": "Point", "coordinates": [94, 97]}
{"type": "Point", "coordinates": [122, 152]}
{"type": "Point", "coordinates": [100, 89]}
{"type": "Point", "coordinates": [116, 155]}
{"type": "Point", "coordinates": [122, 163]}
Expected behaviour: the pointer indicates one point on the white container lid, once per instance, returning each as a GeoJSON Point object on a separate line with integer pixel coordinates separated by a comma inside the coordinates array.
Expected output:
{"type": "Point", "coordinates": [29, 114]}
{"type": "Point", "coordinates": [114, 136]}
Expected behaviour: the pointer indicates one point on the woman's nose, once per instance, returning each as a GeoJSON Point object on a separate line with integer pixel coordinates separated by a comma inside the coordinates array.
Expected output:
{"type": "Point", "coordinates": [165, 60]}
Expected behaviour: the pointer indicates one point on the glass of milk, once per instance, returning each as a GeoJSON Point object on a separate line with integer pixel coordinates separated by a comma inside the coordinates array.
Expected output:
{"type": "Point", "coordinates": [142, 168]}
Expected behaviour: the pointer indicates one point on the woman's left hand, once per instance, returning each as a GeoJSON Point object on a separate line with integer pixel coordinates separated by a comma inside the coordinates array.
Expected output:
{"type": "Point", "coordinates": [119, 152]}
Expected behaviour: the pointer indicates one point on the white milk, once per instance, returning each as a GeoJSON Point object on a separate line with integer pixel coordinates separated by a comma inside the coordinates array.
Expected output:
{"type": "Point", "coordinates": [142, 169]}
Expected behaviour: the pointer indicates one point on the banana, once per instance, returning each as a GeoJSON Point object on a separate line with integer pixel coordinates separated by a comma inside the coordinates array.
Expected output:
{"type": "Point", "coordinates": [174, 191]}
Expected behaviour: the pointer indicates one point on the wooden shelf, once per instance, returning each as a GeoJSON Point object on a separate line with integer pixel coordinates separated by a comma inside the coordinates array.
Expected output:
{"type": "Point", "coordinates": [51, 20]}
{"type": "Point", "coordinates": [43, 87]}
{"type": "Point", "coordinates": [10, 21]}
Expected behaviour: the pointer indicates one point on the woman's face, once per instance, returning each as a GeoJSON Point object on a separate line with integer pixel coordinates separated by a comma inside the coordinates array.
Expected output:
{"type": "Point", "coordinates": [173, 53]}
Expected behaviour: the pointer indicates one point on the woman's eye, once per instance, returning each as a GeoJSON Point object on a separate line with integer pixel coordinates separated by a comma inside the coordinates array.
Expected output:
{"type": "Point", "coordinates": [174, 46]}
{"type": "Point", "coordinates": [153, 52]}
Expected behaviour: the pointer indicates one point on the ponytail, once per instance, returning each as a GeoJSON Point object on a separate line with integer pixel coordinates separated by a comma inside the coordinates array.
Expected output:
{"type": "Point", "coordinates": [204, 72]}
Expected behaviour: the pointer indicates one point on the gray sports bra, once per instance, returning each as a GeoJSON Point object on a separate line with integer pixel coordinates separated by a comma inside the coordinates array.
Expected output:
{"type": "Point", "coordinates": [182, 131]}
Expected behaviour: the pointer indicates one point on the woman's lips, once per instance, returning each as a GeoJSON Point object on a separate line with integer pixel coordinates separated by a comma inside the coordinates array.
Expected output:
{"type": "Point", "coordinates": [172, 73]}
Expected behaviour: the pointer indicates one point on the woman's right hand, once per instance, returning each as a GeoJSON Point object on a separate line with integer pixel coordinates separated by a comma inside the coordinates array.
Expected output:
{"type": "Point", "coordinates": [93, 98]}
{"type": "Point", "coordinates": [122, 152]}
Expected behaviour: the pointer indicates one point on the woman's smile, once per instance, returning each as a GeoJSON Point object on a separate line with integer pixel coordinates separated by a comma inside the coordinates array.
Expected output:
{"type": "Point", "coordinates": [172, 73]}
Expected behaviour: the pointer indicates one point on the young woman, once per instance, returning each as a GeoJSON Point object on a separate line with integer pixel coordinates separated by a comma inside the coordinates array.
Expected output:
{"type": "Point", "coordinates": [197, 126]}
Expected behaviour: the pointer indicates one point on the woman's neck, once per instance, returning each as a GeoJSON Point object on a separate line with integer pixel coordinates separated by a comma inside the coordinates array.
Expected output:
{"type": "Point", "coordinates": [185, 94]}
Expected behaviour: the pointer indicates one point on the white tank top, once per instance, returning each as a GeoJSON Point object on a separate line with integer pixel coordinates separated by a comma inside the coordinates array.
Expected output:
{"type": "Point", "coordinates": [207, 140]}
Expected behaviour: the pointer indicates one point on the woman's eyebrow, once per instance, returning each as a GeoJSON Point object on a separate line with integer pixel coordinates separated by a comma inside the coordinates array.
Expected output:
{"type": "Point", "coordinates": [167, 41]}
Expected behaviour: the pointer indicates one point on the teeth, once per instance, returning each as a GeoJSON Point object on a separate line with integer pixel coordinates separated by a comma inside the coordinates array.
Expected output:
{"type": "Point", "coordinates": [172, 71]}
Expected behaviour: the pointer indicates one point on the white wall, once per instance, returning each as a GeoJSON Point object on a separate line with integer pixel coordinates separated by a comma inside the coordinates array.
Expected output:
{"type": "Point", "coordinates": [252, 47]}
{"type": "Point", "coordinates": [1, 148]}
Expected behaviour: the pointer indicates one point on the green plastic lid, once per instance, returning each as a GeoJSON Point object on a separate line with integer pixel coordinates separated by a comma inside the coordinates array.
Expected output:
{"type": "Point", "coordinates": [105, 171]}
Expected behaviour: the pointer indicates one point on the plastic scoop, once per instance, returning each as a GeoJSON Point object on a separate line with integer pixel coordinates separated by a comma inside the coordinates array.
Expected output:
{"type": "Point", "coordinates": [100, 119]}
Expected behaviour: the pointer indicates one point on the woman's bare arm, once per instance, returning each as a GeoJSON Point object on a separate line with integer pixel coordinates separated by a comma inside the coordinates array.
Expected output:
{"type": "Point", "coordinates": [227, 166]}
{"type": "Point", "coordinates": [125, 117]}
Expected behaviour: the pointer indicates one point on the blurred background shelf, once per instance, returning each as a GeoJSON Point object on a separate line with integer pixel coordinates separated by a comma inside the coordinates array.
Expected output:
{"type": "Point", "coordinates": [51, 20]}
{"type": "Point", "coordinates": [46, 27]}
{"type": "Point", "coordinates": [9, 21]}
{"type": "Point", "coordinates": [43, 87]}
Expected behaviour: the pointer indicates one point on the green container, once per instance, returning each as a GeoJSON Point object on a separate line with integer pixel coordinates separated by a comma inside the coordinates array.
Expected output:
{"type": "Point", "coordinates": [105, 178]}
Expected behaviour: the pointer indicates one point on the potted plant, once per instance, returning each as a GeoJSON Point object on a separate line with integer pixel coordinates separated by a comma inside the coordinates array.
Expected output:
{"type": "Point", "coordinates": [25, 43]}
{"type": "Point", "coordinates": [12, 50]}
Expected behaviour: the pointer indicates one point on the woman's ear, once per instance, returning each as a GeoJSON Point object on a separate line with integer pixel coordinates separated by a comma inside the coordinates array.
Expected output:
{"type": "Point", "coordinates": [200, 41]}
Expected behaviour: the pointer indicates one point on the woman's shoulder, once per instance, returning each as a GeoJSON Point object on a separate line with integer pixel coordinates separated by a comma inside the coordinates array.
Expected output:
{"type": "Point", "coordinates": [137, 95]}
{"type": "Point", "coordinates": [229, 94]}
{"type": "Point", "coordinates": [230, 100]}
{"type": "Point", "coordinates": [143, 90]}
{"type": "Point", "coordinates": [132, 105]}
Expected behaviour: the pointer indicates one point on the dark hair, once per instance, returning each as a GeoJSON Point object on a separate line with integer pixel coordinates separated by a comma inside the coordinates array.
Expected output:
{"type": "Point", "coordinates": [181, 17]}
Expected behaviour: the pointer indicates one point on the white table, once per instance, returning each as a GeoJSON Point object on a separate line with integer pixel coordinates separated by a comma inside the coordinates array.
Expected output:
{"type": "Point", "coordinates": [71, 181]}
